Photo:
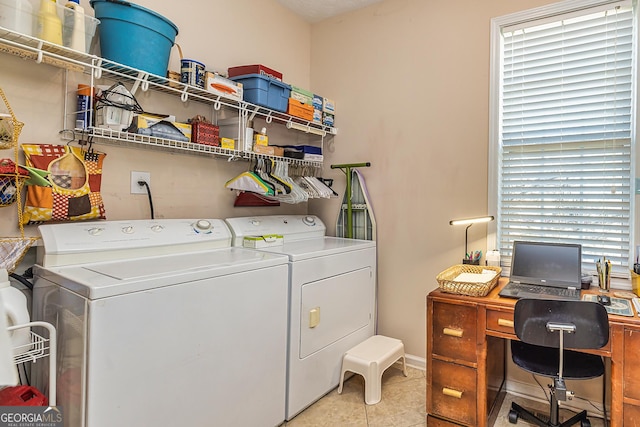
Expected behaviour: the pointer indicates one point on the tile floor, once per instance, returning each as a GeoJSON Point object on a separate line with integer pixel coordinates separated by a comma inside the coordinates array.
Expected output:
{"type": "Point", "coordinates": [402, 405]}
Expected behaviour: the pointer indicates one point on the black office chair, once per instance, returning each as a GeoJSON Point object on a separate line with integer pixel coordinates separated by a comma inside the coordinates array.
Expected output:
{"type": "Point", "coordinates": [545, 328]}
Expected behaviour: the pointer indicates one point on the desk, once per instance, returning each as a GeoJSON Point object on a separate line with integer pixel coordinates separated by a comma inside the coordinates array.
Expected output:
{"type": "Point", "coordinates": [466, 343]}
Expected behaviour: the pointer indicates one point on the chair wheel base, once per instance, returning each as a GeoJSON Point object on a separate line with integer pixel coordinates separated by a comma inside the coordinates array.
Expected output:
{"type": "Point", "coordinates": [513, 416]}
{"type": "Point", "coordinates": [518, 411]}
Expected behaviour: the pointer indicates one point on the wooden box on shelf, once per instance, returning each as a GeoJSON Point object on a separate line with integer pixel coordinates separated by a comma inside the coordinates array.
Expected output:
{"type": "Point", "coordinates": [205, 133]}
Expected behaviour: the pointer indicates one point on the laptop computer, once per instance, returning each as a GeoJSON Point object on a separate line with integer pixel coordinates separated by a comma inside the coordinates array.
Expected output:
{"type": "Point", "coordinates": [544, 270]}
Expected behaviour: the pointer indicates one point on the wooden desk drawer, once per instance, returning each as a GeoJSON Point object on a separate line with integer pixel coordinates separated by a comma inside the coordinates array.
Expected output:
{"type": "Point", "coordinates": [631, 416]}
{"type": "Point", "coordinates": [437, 422]}
{"type": "Point", "coordinates": [500, 321]}
{"type": "Point", "coordinates": [455, 331]}
{"type": "Point", "coordinates": [631, 373]}
{"type": "Point", "coordinates": [453, 392]}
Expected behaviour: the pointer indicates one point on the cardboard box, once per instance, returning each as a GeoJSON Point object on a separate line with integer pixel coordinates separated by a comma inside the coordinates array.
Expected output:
{"type": "Point", "coordinates": [301, 95]}
{"type": "Point", "coordinates": [300, 109]}
{"type": "Point", "coordinates": [270, 150]}
{"type": "Point", "coordinates": [185, 128]}
{"type": "Point", "coordinates": [226, 88]}
{"type": "Point", "coordinates": [228, 143]}
{"type": "Point", "coordinates": [146, 120]}
{"type": "Point", "coordinates": [205, 133]}
{"type": "Point", "coordinates": [314, 157]}
{"type": "Point", "coordinates": [263, 149]}
{"type": "Point", "coordinates": [317, 116]}
{"type": "Point", "coordinates": [328, 106]}
{"type": "Point", "coordinates": [302, 98]}
{"type": "Point", "coordinates": [260, 139]}
{"type": "Point", "coordinates": [266, 241]}
{"type": "Point", "coordinates": [317, 102]}
{"type": "Point", "coordinates": [307, 149]}
{"type": "Point", "coordinates": [328, 119]}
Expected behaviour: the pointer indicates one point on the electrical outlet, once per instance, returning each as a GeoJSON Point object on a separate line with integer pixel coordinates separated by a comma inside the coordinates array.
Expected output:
{"type": "Point", "coordinates": [140, 176]}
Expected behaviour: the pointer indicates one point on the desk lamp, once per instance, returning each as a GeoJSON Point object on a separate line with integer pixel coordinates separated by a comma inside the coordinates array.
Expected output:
{"type": "Point", "coordinates": [469, 222]}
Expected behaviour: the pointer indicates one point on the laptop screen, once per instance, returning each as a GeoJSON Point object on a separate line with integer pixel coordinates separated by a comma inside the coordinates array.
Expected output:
{"type": "Point", "coordinates": [550, 264]}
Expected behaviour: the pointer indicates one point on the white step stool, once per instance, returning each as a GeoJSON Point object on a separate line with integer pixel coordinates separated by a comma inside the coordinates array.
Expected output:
{"type": "Point", "coordinates": [370, 359]}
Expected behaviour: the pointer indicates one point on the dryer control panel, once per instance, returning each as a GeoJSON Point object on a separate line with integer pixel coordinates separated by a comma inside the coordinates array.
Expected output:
{"type": "Point", "coordinates": [291, 227]}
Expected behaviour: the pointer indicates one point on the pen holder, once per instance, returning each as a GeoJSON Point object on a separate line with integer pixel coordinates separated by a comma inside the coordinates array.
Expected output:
{"type": "Point", "coordinates": [471, 261]}
{"type": "Point", "coordinates": [604, 278]}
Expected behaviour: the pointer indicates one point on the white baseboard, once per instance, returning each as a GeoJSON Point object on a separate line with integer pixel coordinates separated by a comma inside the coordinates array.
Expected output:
{"type": "Point", "coordinates": [416, 362]}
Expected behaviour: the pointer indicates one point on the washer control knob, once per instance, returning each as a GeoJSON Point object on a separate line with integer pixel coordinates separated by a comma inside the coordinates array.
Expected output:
{"type": "Point", "coordinates": [157, 228]}
{"type": "Point", "coordinates": [95, 231]}
{"type": "Point", "coordinates": [203, 225]}
{"type": "Point", "coordinates": [255, 222]}
{"type": "Point", "coordinates": [128, 229]}
{"type": "Point", "coordinates": [309, 220]}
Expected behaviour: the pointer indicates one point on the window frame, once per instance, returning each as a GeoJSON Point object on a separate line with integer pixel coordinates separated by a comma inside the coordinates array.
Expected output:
{"type": "Point", "coordinates": [494, 166]}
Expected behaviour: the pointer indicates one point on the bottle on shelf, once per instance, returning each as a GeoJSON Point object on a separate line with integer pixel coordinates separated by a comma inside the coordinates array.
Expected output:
{"type": "Point", "coordinates": [85, 92]}
{"type": "Point", "coordinates": [49, 24]}
{"type": "Point", "coordinates": [17, 15]}
{"type": "Point", "coordinates": [248, 137]}
{"type": "Point", "coordinates": [73, 30]}
{"type": "Point", "coordinates": [261, 138]}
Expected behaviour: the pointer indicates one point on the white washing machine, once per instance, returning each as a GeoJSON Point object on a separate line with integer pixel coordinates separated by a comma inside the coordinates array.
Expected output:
{"type": "Point", "coordinates": [332, 298]}
{"type": "Point", "coordinates": [162, 323]}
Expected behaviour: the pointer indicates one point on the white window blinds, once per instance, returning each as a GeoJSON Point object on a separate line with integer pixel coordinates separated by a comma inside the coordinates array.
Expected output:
{"type": "Point", "coordinates": [565, 134]}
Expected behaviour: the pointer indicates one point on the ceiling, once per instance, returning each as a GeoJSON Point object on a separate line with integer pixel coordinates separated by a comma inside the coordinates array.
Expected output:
{"type": "Point", "coordinates": [317, 10]}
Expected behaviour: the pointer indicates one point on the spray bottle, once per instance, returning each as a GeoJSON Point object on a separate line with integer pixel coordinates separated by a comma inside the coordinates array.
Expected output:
{"type": "Point", "coordinates": [73, 31]}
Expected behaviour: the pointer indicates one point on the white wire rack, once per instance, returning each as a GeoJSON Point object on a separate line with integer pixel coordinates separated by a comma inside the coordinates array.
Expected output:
{"type": "Point", "coordinates": [28, 47]}
{"type": "Point", "coordinates": [38, 348]}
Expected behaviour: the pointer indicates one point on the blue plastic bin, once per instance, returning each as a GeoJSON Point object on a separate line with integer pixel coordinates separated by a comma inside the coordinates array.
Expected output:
{"type": "Point", "coordinates": [134, 36]}
{"type": "Point", "coordinates": [265, 91]}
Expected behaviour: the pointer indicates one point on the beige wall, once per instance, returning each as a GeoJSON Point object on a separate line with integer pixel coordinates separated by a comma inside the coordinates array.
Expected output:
{"type": "Point", "coordinates": [222, 34]}
{"type": "Point", "coordinates": [411, 83]}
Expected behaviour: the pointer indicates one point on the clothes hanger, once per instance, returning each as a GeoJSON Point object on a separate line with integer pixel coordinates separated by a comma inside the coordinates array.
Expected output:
{"type": "Point", "coordinates": [250, 181]}
{"type": "Point", "coordinates": [297, 194]}
{"type": "Point", "coordinates": [270, 166]}
{"type": "Point", "coordinates": [264, 174]}
{"type": "Point", "coordinates": [257, 170]}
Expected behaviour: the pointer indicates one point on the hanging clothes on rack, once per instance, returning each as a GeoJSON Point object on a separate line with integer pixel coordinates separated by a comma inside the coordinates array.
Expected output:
{"type": "Point", "coordinates": [249, 181]}
{"type": "Point", "coordinates": [281, 182]}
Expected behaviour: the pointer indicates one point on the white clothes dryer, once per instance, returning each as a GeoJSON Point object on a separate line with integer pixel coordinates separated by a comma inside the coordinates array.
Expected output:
{"type": "Point", "coordinates": [332, 298]}
{"type": "Point", "coordinates": [162, 322]}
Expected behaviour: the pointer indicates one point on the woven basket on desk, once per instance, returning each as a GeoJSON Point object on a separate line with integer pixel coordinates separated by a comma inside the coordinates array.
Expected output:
{"type": "Point", "coordinates": [447, 283]}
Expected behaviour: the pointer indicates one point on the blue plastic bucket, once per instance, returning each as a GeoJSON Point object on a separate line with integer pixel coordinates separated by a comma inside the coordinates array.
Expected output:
{"type": "Point", "coordinates": [134, 36]}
